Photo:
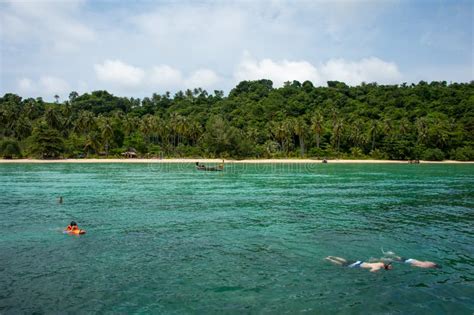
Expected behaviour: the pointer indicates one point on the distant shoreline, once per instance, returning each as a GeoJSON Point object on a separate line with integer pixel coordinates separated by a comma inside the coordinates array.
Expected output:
{"type": "Point", "coordinates": [189, 160]}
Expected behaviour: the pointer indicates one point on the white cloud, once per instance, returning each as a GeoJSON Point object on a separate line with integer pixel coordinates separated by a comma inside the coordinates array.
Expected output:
{"type": "Point", "coordinates": [351, 72]}
{"type": "Point", "coordinates": [46, 85]}
{"type": "Point", "coordinates": [165, 76]}
{"type": "Point", "coordinates": [290, 40]}
{"type": "Point", "coordinates": [277, 71]}
{"type": "Point", "coordinates": [119, 73]}
{"type": "Point", "coordinates": [25, 85]}
{"type": "Point", "coordinates": [365, 70]}
{"type": "Point", "coordinates": [203, 78]}
{"type": "Point", "coordinates": [53, 85]}
{"type": "Point", "coordinates": [124, 75]}
{"type": "Point", "coordinates": [51, 24]}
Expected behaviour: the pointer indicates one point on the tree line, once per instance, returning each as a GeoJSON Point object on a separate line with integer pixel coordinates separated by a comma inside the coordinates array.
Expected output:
{"type": "Point", "coordinates": [431, 121]}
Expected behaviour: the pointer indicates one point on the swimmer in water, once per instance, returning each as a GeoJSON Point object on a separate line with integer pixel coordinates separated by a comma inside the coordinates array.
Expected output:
{"type": "Point", "coordinates": [72, 226]}
{"type": "Point", "coordinates": [411, 261]}
{"type": "Point", "coordinates": [373, 266]}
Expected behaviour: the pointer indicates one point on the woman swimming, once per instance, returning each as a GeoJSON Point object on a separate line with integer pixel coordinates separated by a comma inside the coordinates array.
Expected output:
{"type": "Point", "coordinates": [373, 266]}
{"type": "Point", "coordinates": [410, 261]}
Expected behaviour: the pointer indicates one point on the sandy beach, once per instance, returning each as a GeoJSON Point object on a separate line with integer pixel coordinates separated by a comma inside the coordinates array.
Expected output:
{"type": "Point", "coordinates": [189, 160]}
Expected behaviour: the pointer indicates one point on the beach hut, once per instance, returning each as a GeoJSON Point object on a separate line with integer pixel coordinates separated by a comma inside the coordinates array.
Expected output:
{"type": "Point", "coordinates": [130, 153]}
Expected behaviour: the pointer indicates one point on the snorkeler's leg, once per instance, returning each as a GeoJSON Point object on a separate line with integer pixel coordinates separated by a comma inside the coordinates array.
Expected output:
{"type": "Point", "coordinates": [336, 260]}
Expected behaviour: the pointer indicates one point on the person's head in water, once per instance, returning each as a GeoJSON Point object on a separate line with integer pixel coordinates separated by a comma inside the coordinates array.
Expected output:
{"type": "Point", "coordinates": [73, 223]}
{"type": "Point", "coordinates": [387, 266]}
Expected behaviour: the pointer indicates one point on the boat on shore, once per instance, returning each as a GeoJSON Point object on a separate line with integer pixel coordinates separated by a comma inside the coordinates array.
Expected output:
{"type": "Point", "coordinates": [202, 167]}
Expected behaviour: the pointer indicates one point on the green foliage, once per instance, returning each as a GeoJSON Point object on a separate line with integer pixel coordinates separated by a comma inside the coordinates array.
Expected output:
{"type": "Point", "coordinates": [136, 142]}
{"type": "Point", "coordinates": [378, 154]}
{"type": "Point", "coordinates": [463, 154]}
{"type": "Point", "coordinates": [416, 121]}
{"type": "Point", "coordinates": [433, 155]}
{"type": "Point", "coordinates": [9, 148]}
{"type": "Point", "coordinates": [46, 142]}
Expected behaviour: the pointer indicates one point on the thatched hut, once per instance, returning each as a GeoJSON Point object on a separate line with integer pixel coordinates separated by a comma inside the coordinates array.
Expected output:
{"type": "Point", "coordinates": [131, 153]}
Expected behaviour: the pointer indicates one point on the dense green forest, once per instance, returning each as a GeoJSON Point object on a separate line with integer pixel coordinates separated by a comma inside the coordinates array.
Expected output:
{"type": "Point", "coordinates": [430, 121]}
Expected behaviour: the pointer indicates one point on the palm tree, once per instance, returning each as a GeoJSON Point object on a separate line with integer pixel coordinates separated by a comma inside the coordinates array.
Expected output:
{"type": "Point", "coordinates": [252, 133]}
{"type": "Point", "coordinates": [338, 126]}
{"type": "Point", "coordinates": [7, 120]}
{"type": "Point", "coordinates": [373, 131]}
{"type": "Point", "coordinates": [85, 122]}
{"type": "Point", "coordinates": [422, 129]}
{"type": "Point", "coordinates": [52, 118]}
{"type": "Point", "coordinates": [387, 127]}
{"type": "Point", "coordinates": [91, 143]}
{"type": "Point", "coordinates": [439, 131]}
{"type": "Point", "coordinates": [161, 130]}
{"type": "Point", "coordinates": [300, 128]}
{"type": "Point", "coordinates": [173, 126]}
{"type": "Point", "coordinates": [130, 124]}
{"type": "Point", "coordinates": [356, 133]}
{"type": "Point", "coordinates": [107, 133]}
{"type": "Point", "coordinates": [182, 128]}
{"type": "Point", "coordinates": [147, 126]}
{"type": "Point", "coordinates": [67, 121]}
{"type": "Point", "coordinates": [195, 131]}
{"type": "Point", "coordinates": [317, 127]}
{"type": "Point", "coordinates": [288, 131]}
{"type": "Point", "coordinates": [403, 126]}
{"type": "Point", "coordinates": [22, 127]}
{"type": "Point", "coordinates": [282, 132]}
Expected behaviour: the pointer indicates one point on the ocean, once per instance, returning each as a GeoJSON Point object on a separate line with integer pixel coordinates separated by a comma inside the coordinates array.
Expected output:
{"type": "Point", "coordinates": [168, 239]}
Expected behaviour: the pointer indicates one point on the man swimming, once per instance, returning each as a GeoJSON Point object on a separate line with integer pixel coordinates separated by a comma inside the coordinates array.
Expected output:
{"type": "Point", "coordinates": [411, 261]}
{"type": "Point", "coordinates": [373, 266]}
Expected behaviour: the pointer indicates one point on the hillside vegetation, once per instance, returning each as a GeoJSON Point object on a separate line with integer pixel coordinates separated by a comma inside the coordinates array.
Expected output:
{"type": "Point", "coordinates": [431, 121]}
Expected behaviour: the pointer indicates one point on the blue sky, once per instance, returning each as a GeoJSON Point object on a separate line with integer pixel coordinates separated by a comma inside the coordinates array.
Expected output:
{"type": "Point", "coordinates": [136, 48]}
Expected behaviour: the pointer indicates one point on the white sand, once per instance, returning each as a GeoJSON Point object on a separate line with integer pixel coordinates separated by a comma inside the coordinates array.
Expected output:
{"type": "Point", "coordinates": [260, 161]}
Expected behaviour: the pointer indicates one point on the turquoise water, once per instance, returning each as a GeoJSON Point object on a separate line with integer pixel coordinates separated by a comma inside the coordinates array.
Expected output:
{"type": "Point", "coordinates": [169, 239]}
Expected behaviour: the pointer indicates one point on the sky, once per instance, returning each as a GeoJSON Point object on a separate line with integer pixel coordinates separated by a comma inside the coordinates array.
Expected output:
{"type": "Point", "coordinates": [137, 48]}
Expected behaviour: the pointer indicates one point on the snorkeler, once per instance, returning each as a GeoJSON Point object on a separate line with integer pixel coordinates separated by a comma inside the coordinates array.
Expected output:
{"type": "Point", "coordinates": [410, 261]}
{"type": "Point", "coordinates": [373, 266]}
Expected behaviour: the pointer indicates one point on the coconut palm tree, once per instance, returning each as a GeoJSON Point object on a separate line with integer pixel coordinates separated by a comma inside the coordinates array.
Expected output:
{"type": "Point", "coordinates": [84, 123]}
{"type": "Point", "coordinates": [281, 131]}
{"type": "Point", "coordinates": [421, 125]}
{"type": "Point", "coordinates": [373, 131]}
{"type": "Point", "coordinates": [67, 113]}
{"type": "Point", "coordinates": [130, 124]}
{"type": "Point", "coordinates": [53, 118]}
{"type": "Point", "coordinates": [195, 131]}
{"type": "Point", "coordinates": [91, 143]}
{"type": "Point", "coordinates": [147, 126]}
{"type": "Point", "coordinates": [356, 133]}
{"type": "Point", "coordinates": [337, 129]}
{"type": "Point", "coordinates": [300, 129]}
{"type": "Point", "coordinates": [317, 126]}
{"type": "Point", "coordinates": [22, 127]}
{"type": "Point", "coordinates": [107, 133]}
{"type": "Point", "coordinates": [182, 128]}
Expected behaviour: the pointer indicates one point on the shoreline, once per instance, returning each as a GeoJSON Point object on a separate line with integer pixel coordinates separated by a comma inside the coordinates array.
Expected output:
{"type": "Point", "coordinates": [188, 160]}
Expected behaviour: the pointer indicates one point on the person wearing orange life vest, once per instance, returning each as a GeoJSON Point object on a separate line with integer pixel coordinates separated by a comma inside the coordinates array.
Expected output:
{"type": "Point", "coordinates": [74, 229]}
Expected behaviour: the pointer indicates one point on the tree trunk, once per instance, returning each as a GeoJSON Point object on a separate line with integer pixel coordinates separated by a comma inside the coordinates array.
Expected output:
{"type": "Point", "coordinates": [301, 145]}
